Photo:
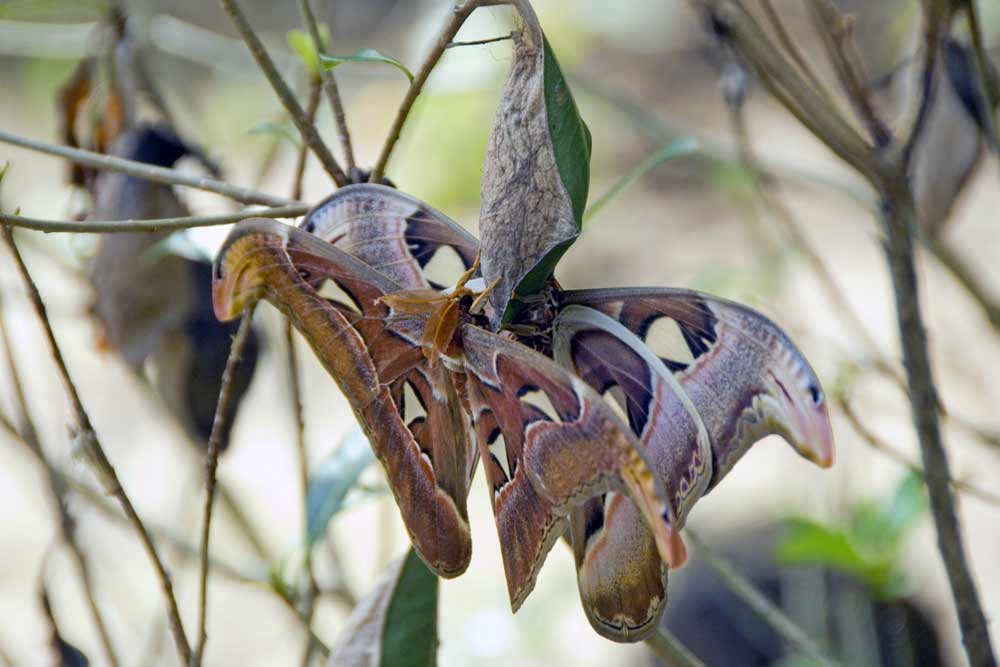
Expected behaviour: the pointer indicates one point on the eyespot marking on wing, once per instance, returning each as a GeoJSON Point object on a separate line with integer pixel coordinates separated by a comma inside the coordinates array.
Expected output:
{"type": "Point", "coordinates": [666, 339]}
{"type": "Point", "coordinates": [413, 408]}
{"type": "Point", "coordinates": [335, 294]}
{"type": "Point", "coordinates": [538, 399]}
{"type": "Point", "coordinates": [443, 267]}
{"type": "Point", "coordinates": [497, 446]}
{"type": "Point", "coordinates": [614, 398]}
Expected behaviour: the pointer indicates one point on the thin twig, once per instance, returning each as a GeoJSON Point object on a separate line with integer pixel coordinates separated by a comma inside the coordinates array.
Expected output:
{"type": "Point", "coordinates": [762, 180]}
{"type": "Point", "coordinates": [90, 448]}
{"type": "Point", "coordinates": [479, 42]}
{"type": "Point", "coordinates": [987, 85]}
{"type": "Point", "coordinates": [295, 393]}
{"type": "Point", "coordinates": [880, 445]}
{"type": "Point", "coordinates": [312, 590]}
{"type": "Point", "coordinates": [786, 41]}
{"type": "Point", "coordinates": [57, 490]}
{"type": "Point", "coordinates": [330, 87]}
{"type": "Point", "coordinates": [964, 274]}
{"type": "Point", "coordinates": [211, 465]}
{"type": "Point", "coordinates": [149, 225]}
{"type": "Point", "coordinates": [753, 598]}
{"type": "Point", "coordinates": [836, 32]}
{"type": "Point", "coordinates": [670, 651]}
{"type": "Point", "coordinates": [459, 14]}
{"type": "Point", "coordinates": [934, 33]}
{"type": "Point", "coordinates": [782, 80]}
{"type": "Point", "coordinates": [145, 171]}
{"type": "Point", "coordinates": [307, 129]}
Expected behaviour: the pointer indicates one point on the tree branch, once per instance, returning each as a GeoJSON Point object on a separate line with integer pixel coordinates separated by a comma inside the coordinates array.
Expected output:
{"type": "Point", "coordinates": [459, 14]}
{"type": "Point", "coordinates": [330, 87]}
{"type": "Point", "coordinates": [900, 219]}
{"type": "Point", "coordinates": [149, 225]}
{"type": "Point", "coordinates": [89, 447]}
{"type": "Point", "coordinates": [670, 651]}
{"type": "Point", "coordinates": [145, 171]}
{"type": "Point", "coordinates": [211, 464]}
{"type": "Point", "coordinates": [307, 129]}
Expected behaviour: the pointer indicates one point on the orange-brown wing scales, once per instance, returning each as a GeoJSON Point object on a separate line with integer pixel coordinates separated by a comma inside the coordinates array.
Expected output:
{"type": "Point", "coordinates": [559, 446]}
{"type": "Point", "coordinates": [287, 267]}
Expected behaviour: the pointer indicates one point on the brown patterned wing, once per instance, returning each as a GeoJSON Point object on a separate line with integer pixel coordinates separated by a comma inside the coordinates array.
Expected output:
{"type": "Point", "coordinates": [396, 234]}
{"type": "Point", "coordinates": [548, 443]}
{"type": "Point", "coordinates": [745, 380]}
{"type": "Point", "coordinates": [408, 410]}
{"type": "Point", "coordinates": [622, 582]}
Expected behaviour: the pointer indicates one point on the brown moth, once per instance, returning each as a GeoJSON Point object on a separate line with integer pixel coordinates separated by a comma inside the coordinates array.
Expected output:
{"type": "Point", "coordinates": [373, 337]}
{"type": "Point", "coordinates": [698, 380]}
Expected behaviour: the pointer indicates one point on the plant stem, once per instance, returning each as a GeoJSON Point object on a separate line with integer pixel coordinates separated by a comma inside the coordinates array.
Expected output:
{"type": "Point", "coordinates": [149, 225]}
{"type": "Point", "coordinates": [306, 128]}
{"type": "Point", "coordinates": [330, 87]}
{"type": "Point", "coordinates": [459, 14]}
{"type": "Point", "coordinates": [899, 217]}
{"type": "Point", "coordinates": [880, 445]}
{"type": "Point", "coordinates": [211, 465]}
{"type": "Point", "coordinates": [90, 447]}
{"type": "Point", "coordinates": [670, 651]}
{"type": "Point", "coordinates": [145, 171]}
{"type": "Point", "coordinates": [753, 598]}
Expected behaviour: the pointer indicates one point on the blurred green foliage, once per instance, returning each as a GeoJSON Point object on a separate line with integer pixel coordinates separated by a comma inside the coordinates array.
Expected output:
{"type": "Point", "coordinates": [867, 545]}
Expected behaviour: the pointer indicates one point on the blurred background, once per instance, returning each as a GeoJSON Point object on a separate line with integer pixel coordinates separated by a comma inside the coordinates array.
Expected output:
{"type": "Point", "coordinates": [849, 552]}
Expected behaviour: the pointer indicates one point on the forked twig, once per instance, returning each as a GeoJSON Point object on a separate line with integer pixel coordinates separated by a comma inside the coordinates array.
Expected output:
{"type": "Point", "coordinates": [90, 448]}
{"type": "Point", "coordinates": [330, 87]}
{"type": "Point", "coordinates": [306, 128]}
{"type": "Point", "coordinates": [459, 14]}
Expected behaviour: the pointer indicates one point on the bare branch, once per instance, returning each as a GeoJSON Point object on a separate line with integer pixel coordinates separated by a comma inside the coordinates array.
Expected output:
{"type": "Point", "coordinates": [150, 225]}
{"type": "Point", "coordinates": [988, 86]}
{"type": "Point", "coordinates": [880, 445]}
{"type": "Point", "coordinates": [479, 42]}
{"type": "Point", "coordinates": [670, 651]}
{"type": "Point", "coordinates": [306, 128]}
{"type": "Point", "coordinates": [330, 86]}
{"type": "Point", "coordinates": [836, 31]}
{"type": "Point", "coordinates": [211, 464]}
{"type": "Point", "coordinates": [781, 79]}
{"type": "Point", "coordinates": [145, 171]}
{"type": "Point", "coordinates": [91, 449]}
{"type": "Point", "coordinates": [788, 44]}
{"type": "Point", "coordinates": [753, 598]}
{"type": "Point", "coordinates": [459, 14]}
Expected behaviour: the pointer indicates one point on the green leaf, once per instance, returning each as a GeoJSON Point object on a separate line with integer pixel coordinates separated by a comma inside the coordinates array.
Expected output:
{"type": "Point", "coordinates": [410, 636]}
{"type": "Point", "coordinates": [396, 624]}
{"type": "Point", "coordinates": [301, 42]}
{"type": "Point", "coordinates": [366, 55]}
{"type": "Point", "coordinates": [807, 542]}
{"type": "Point", "coordinates": [329, 484]}
{"type": "Point", "coordinates": [572, 144]}
{"type": "Point", "coordinates": [677, 148]}
{"type": "Point", "coordinates": [281, 130]}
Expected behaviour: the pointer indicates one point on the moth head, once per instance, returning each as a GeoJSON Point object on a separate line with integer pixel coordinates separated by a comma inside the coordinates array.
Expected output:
{"type": "Point", "coordinates": [800, 410]}
{"type": "Point", "coordinates": [238, 270]}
